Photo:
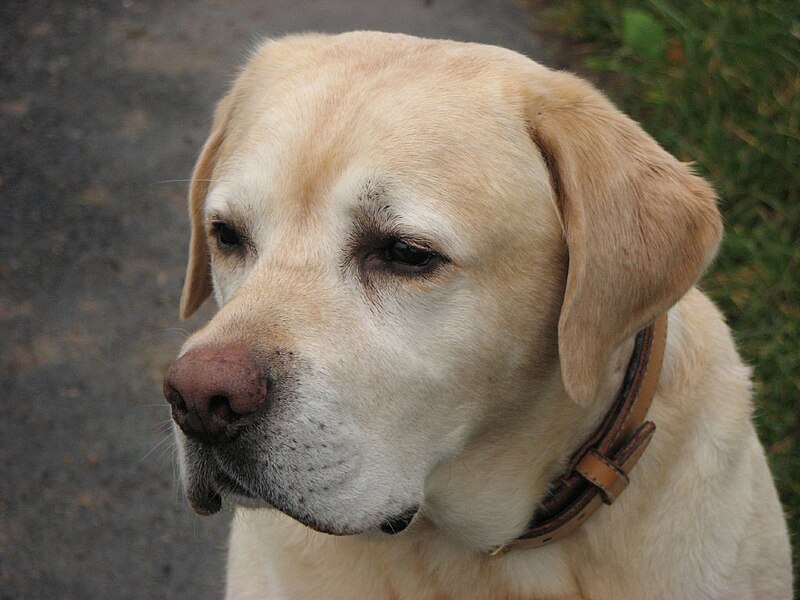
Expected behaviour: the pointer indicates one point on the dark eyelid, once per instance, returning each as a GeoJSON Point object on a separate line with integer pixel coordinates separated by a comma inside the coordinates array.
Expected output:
{"type": "Point", "coordinates": [370, 241]}
{"type": "Point", "coordinates": [215, 221]}
{"type": "Point", "coordinates": [378, 235]}
{"type": "Point", "coordinates": [414, 242]}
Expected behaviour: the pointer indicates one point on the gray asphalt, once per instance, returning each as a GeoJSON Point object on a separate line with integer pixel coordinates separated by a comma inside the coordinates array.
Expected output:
{"type": "Point", "coordinates": [103, 107]}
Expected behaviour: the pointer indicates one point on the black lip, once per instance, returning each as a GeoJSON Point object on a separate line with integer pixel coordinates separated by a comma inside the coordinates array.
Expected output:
{"type": "Point", "coordinates": [398, 523]}
{"type": "Point", "coordinates": [204, 500]}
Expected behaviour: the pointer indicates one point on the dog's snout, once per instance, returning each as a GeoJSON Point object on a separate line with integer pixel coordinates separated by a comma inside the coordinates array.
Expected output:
{"type": "Point", "coordinates": [213, 390]}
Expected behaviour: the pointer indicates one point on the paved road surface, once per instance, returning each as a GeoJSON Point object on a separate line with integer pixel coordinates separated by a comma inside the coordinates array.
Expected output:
{"type": "Point", "coordinates": [103, 106]}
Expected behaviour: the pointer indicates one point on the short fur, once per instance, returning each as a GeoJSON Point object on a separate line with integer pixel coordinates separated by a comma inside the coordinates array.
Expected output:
{"type": "Point", "coordinates": [464, 391]}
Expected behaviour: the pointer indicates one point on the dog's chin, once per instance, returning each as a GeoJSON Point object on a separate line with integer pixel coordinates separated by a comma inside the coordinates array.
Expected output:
{"type": "Point", "coordinates": [391, 525]}
{"type": "Point", "coordinates": [207, 500]}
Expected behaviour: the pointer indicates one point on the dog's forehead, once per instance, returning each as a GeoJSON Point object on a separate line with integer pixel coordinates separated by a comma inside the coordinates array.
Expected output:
{"type": "Point", "coordinates": [319, 123]}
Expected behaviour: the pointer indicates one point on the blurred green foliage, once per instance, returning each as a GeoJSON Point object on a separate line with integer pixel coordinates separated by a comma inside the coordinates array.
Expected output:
{"type": "Point", "coordinates": [718, 83]}
{"type": "Point", "coordinates": [644, 35]}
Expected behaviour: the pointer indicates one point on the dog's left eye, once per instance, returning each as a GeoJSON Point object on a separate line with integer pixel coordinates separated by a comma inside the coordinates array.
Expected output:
{"type": "Point", "coordinates": [227, 237]}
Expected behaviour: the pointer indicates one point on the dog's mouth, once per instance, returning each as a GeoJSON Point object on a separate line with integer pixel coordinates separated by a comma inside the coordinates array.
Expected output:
{"type": "Point", "coordinates": [228, 486]}
{"type": "Point", "coordinates": [205, 495]}
{"type": "Point", "coordinates": [207, 500]}
{"type": "Point", "coordinates": [398, 523]}
{"type": "Point", "coordinates": [214, 478]}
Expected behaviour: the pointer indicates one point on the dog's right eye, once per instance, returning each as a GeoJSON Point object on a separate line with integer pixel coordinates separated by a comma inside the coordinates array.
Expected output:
{"type": "Point", "coordinates": [227, 237]}
{"type": "Point", "coordinates": [406, 254]}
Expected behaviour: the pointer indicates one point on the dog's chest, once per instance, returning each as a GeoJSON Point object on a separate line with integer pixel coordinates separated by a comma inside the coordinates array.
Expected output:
{"type": "Point", "coordinates": [286, 560]}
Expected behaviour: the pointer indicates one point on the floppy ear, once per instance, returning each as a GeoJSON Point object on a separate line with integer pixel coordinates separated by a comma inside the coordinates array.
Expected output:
{"type": "Point", "coordinates": [640, 227]}
{"type": "Point", "coordinates": [197, 286]}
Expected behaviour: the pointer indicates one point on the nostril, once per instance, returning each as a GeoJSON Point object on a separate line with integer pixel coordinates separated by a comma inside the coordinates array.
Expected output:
{"type": "Point", "coordinates": [176, 401]}
{"type": "Point", "coordinates": [220, 407]}
{"type": "Point", "coordinates": [180, 406]}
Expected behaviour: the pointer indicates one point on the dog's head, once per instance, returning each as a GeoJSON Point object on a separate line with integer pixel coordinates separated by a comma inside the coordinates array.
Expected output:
{"type": "Point", "coordinates": [413, 243]}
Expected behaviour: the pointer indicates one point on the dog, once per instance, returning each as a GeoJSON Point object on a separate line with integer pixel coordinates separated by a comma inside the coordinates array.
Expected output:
{"type": "Point", "coordinates": [436, 265]}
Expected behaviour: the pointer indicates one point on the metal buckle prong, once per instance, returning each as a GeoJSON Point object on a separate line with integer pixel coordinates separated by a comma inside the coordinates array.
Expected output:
{"type": "Point", "coordinates": [500, 550]}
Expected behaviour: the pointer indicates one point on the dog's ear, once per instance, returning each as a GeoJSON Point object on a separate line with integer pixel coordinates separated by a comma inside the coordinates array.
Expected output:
{"type": "Point", "coordinates": [640, 227]}
{"type": "Point", "coordinates": [198, 286]}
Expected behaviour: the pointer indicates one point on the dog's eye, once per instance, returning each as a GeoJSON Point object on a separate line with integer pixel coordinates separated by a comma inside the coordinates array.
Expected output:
{"type": "Point", "coordinates": [410, 255]}
{"type": "Point", "coordinates": [227, 237]}
{"type": "Point", "coordinates": [411, 259]}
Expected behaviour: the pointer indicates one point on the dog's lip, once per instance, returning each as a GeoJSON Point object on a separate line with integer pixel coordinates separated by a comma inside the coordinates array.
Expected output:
{"type": "Point", "coordinates": [205, 497]}
{"type": "Point", "coordinates": [398, 523]}
{"type": "Point", "coordinates": [205, 500]}
{"type": "Point", "coordinates": [228, 485]}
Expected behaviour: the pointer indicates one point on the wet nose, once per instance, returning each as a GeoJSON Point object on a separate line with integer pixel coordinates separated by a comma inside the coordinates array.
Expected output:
{"type": "Point", "coordinates": [213, 391]}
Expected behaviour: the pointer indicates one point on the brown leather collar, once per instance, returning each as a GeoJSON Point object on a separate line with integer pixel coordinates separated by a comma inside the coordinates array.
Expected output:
{"type": "Point", "coordinates": [598, 472]}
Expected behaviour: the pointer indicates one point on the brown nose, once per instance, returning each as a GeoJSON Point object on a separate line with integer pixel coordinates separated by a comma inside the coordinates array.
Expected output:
{"type": "Point", "coordinates": [212, 391]}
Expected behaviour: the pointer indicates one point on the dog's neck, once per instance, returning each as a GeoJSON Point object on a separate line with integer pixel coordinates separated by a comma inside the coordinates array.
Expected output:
{"type": "Point", "coordinates": [487, 496]}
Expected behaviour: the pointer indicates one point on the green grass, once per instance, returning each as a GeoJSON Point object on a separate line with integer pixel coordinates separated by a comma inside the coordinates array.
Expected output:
{"type": "Point", "coordinates": [718, 84]}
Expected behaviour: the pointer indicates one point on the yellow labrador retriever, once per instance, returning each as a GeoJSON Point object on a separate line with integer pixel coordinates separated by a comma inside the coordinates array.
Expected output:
{"type": "Point", "coordinates": [437, 265]}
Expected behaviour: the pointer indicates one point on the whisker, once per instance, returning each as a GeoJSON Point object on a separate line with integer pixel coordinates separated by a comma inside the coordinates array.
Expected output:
{"type": "Point", "coordinates": [184, 332]}
{"type": "Point", "coordinates": [165, 181]}
{"type": "Point", "coordinates": [159, 444]}
{"type": "Point", "coordinates": [165, 453]}
{"type": "Point", "coordinates": [164, 427]}
{"type": "Point", "coordinates": [157, 405]}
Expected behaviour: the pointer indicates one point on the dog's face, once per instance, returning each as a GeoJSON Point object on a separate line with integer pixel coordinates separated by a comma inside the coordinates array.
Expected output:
{"type": "Point", "coordinates": [402, 260]}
